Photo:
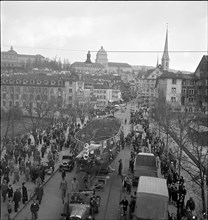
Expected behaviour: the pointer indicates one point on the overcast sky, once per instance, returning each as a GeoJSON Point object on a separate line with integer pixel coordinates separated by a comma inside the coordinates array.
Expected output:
{"type": "Point", "coordinates": [70, 29]}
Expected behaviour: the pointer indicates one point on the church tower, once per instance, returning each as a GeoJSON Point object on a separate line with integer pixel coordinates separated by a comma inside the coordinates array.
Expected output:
{"type": "Point", "coordinates": [165, 57]}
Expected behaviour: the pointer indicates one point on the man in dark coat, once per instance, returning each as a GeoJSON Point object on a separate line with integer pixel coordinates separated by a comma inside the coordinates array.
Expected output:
{"type": "Point", "coordinates": [120, 166]}
{"type": "Point", "coordinates": [34, 208]}
{"type": "Point", "coordinates": [16, 199]}
{"type": "Point", "coordinates": [10, 192]}
{"type": "Point", "coordinates": [24, 193]}
{"type": "Point", "coordinates": [39, 193]}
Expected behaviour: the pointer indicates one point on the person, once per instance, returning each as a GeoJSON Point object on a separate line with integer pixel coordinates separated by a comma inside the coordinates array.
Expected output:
{"type": "Point", "coordinates": [4, 189]}
{"type": "Point", "coordinates": [10, 192]}
{"type": "Point", "coordinates": [16, 174]}
{"type": "Point", "coordinates": [124, 202]}
{"type": "Point", "coordinates": [27, 174]}
{"type": "Point", "coordinates": [24, 193]}
{"type": "Point", "coordinates": [190, 204]}
{"type": "Point", "coordinates": [34, 208]}
{"type": "Point", "coordinates": [63, 173]}
{"type": "Point", "coordinates": [74, 185]}
{"type": "Point", "coordinates": [39, 193]}
{"type": "Point", "coordinates": [120, 166]}
{"type": "Point", "coordinates": [63, 187]}
{"type": "Point", "coordinates": [132, 205]}
{"type": "Point", "coordinates": [9, 207]}
{"type": "Point", "coordinates": [16, 199]}
{"type": "Point", "coordinates": [93, 205]}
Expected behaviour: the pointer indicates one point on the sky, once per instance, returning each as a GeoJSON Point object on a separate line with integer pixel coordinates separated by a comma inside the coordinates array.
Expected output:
{"type": "Point", "coordinates": [136, 30]}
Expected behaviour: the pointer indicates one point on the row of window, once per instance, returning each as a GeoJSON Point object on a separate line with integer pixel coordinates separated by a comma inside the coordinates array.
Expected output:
{"type": "Point", "coordinates": [25, 81]}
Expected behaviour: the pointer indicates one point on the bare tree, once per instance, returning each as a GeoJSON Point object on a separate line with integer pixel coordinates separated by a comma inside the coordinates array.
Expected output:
{"type": "Point", "coordinates": [42, 111]}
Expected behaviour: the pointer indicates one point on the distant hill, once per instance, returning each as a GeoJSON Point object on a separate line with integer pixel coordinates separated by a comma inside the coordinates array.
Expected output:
{"type": "Point", "coordinates": [144, 68]}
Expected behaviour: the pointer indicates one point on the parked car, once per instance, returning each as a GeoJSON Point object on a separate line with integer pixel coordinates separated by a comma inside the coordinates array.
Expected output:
{"type": "Point", "coordinates": [67, 163]}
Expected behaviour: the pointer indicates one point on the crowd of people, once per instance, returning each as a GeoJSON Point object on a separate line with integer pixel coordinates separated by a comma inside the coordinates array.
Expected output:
{"type": "Point", "coordinates": [24, 158]}
{"type": "Point", "coordinates": [146, 140]}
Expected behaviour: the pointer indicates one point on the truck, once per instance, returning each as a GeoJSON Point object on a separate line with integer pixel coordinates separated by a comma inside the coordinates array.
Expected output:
{"type": "Point", "coordinates": [151, 199]}
{"type": "Point", "coordinates": [145, 164]}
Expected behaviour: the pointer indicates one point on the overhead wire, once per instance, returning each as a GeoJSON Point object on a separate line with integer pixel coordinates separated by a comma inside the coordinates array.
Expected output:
{"type": "Point", "coordinates": [115, 51]}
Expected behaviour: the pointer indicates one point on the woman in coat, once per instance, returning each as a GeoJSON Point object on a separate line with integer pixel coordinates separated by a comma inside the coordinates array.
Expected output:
{"type": "Point", "coordinates": [24, 193]}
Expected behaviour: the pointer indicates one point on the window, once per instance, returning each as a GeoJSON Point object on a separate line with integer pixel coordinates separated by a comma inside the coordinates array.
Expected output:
{"type": "Point", "coordinates": [4, 88]}
{"type": "Point", "coordinates": [31, 96]}
{"type": "Point", "coordinates": [53, 82]}
{"type": "Point", "coordinates": [191, 100]}
{"type": "Point", "coordinates": [4, 103]}
{"type": "Point", "coordinates": [24, 97]}
{"type": "Point", "coordinates": [190, 109]}
{"type": "Point", "coordinates": [45, 82]}
{"type": "Point", "coordinates": [24, 104]}
{"type": "Point", "coordinates": [17, 104]}
{"type": "Point", "coordinates": [173, 90]}
{"type": "Point", "coordinates": [70, 90]}
{"type": "Point", "coordinates": [11, 96]}
{"type": "Point", "coordinates": [173, 81]}
{"type": "Point", "coordinates": [25, 81]}
{"type": "Point", "coordinates": [24, 89]}
{"type": "Point", "coordinates": [4, 95]}
{"type": "Point", "coordinates": [17, 89]}
{"type": "Point", "coordinates": [16, 96]}
{"type": "Point", "coordinates": [191, 91]}
{"type": "Point", "coordinates": [183, 91]}
{"type": "Point", "coordinates": [10, 104]}
{"type": "Point", "coordinates": [173, 99]}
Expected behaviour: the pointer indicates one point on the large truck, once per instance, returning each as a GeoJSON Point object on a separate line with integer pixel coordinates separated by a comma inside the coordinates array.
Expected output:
{"type": "Point", "coordinates": [145, 164]}
{"type": "Point", "coordinates": [151, 199]}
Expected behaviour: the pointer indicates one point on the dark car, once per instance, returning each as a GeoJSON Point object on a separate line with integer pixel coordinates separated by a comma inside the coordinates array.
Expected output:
{"type": "Point", "coordinates": [78, 206]}
{"type": "Point", "coordinates": [67, 163]}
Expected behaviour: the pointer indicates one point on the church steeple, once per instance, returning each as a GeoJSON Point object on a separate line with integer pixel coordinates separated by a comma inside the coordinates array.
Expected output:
{"type": "Point", "coordinates": [165, 57]}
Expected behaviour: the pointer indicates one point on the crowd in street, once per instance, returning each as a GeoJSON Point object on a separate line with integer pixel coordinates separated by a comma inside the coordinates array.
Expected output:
{"type": "Point", "coordinates": [32, 159]}
{"type": "Point", "coordinates": [147, 140]}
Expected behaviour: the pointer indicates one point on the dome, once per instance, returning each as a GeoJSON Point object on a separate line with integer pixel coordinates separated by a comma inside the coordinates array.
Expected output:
{"type": "Point", "coordinates": [12, 51]}
{"type": "Point", "coordinates": [102, 51]}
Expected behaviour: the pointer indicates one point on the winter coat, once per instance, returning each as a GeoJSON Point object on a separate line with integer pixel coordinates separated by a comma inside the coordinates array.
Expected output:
{"type": "Point", "coordinates": [24, 194]}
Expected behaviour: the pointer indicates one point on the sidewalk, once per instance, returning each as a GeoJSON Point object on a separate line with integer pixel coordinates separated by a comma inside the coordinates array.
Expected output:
{"type": "Point", "coordinates": [189, 184]}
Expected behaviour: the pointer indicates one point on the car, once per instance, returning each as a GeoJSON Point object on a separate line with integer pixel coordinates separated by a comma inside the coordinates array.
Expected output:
{"type": "Point", "coordinates": [77, 206]}
{"type": "Point", "coordinates": [67, 163]}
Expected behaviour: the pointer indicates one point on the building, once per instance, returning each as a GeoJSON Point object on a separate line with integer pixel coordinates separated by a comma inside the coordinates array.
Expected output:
{"type": "Point", "coordinates": [114, 67]}
{"type": "Point", "coordinates": [146, 91]}
{"type": "Point", "coordinates": [188, 94]}
{"type": "Point", "coordinates": [101, 65]}
{"type": "Point", "coordinates": [32, 92]}
{"type": "Point", "coordinates": [102, 58]}
{"type": "Point", "coordinates": [201, 73]}
{"type": "Point", "coordinates": [12, 59]}
{"type": "Point", "coordinates": [169, 88]}
{"type": "Point", "coordinates": [87, 67]}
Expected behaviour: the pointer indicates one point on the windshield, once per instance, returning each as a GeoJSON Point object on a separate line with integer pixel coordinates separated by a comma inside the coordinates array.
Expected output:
{"type": "Point", "coordinates": [143, 160]}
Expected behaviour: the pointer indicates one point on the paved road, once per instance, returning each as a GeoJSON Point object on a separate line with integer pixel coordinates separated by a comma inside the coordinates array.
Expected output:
{"type": "Point", "coordinates": [51, 206]}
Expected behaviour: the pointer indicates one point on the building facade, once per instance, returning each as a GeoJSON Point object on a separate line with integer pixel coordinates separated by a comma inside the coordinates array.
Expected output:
{"type": "Point", "coordinates": [12, 59]}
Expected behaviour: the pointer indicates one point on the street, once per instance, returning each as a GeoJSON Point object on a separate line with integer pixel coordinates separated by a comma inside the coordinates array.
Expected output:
{"type": "Point", "coordinates": [51, 206]}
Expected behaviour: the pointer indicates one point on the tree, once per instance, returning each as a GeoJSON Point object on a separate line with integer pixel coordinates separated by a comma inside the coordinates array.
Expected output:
{"type": "Point", "coordinates": [42, 111]}
{"type": "Point", "coordinates": [189, 153]}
